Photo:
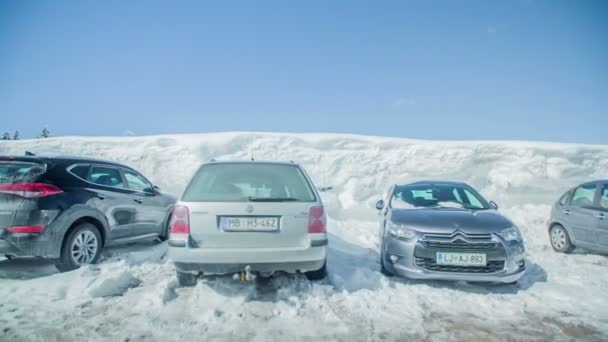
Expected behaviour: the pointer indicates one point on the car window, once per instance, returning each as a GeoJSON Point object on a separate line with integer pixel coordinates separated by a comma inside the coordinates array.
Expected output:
{"type": "Point", "coordinates": [423, 193]}
{"type": "Point", "coordinates": [583, 196]}
{"type": "Point", "coordinates": [234, 182]}
{"type": "Point", "coordinates": [471, 199]}
{"type": "Point", "coordinates": [106, 176]}
{"type": "Point", "coordinates": [137, 182]}
{"type": "Point", "coordinates": [564, 199]}
{"type": "Point", "coordinates": [81, 171]}
{"type": "Point", "coordinates": [457, 195]}
{"type": "Point", "coordinates": [604, 197]}
{"type": "Point", "coordinates": [438, 196]}
{"type": "Point", "coordinates": [15, 172]}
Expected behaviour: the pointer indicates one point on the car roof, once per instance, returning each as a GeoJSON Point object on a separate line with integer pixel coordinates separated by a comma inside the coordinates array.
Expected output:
{"type": "Point", "coordinates": [436, 182]}
{"type": "Point", "coordinates": [65, 160]}
{"type": "Point", "coordinates": [252, 162]}
{"type": "Point", "coordinates": [593, 182]}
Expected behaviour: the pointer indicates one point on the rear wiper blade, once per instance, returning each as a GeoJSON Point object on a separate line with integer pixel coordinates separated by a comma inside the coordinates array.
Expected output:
{"type": "Point", "coordinates": [271, 199]}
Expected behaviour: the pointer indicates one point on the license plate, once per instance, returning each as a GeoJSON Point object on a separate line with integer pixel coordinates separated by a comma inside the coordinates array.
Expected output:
{"type": "Point", "coordinates": [244, 224]}
{"type": "Point", "coordinates": [461, 259]}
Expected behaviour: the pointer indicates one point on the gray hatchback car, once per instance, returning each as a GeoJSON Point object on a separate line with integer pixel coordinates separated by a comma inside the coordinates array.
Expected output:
{"type": "Point", "coordinates": [580, 219]}
{"type": "Point", "coordinates": [448, 231]}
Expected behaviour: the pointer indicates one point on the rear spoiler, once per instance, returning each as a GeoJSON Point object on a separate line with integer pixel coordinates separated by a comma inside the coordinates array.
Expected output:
{"type": "Point", "coordinates": [26, 158]}
{"type": "Point", "coordinates": [27, 154]}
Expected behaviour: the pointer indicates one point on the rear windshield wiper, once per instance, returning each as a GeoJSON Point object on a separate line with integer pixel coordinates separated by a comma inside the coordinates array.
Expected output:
{"type": "Point", "coordinates": [272, 199]}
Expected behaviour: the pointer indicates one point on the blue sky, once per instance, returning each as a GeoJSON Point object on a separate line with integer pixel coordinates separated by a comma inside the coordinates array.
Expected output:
{"type": "Point", "coordinates": [520, 69]}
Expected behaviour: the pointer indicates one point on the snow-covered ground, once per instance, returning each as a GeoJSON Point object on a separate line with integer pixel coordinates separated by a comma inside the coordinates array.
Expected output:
{"type": "Point", "coordinates": [131, 294]}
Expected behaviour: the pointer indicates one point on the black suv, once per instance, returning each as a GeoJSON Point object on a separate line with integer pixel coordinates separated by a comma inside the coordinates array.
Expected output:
{"type": "Point", "coordinates": [69, 208]}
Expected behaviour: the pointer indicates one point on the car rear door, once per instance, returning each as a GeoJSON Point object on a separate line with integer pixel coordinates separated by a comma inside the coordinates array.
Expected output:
{"type": "Point", "coordinates": [150, 208]}
{"type": "Point", "coordinates": [111, 197]}
{"type": "Point", "coordinates": [580, 215]}
{"type": "Point", "coordinates": [602, 216]}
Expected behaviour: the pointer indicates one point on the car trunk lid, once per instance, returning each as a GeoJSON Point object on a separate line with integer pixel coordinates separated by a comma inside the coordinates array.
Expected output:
{"type": "Point", "coordinates": [207, 230]}
{"type": "Point", "coordinates": [13, 172]}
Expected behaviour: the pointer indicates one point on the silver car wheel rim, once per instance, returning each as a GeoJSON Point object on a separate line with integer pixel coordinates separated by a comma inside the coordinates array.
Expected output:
{"type": "Point", "coordinates": [558, 238]}
{"type": "Point", "coordinates": [84, 247]}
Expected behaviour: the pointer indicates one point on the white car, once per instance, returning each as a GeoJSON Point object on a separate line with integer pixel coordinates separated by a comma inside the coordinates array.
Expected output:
{"type": "Point", "coordinates": [258, 217]}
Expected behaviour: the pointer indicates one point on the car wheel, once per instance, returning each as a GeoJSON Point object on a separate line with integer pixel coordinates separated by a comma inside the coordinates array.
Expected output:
{"type": "Point", "coordinates": [560, 240]}
{"type": "Point", "coordinates": [186, 279]}
{"type": "Point", "coordinates": [318, 274]}
{"type": "Point", "coordinates": [82, 246]}
{"type": "Point", "coordinates": [383, 269]}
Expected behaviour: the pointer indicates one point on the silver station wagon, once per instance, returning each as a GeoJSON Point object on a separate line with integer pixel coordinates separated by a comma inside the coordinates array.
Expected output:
{"type": "Point", "coordinates": [248, 218]}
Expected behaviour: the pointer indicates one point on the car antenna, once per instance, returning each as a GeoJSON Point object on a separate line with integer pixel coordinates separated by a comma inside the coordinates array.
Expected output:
{"type": "Point", "coordinates": [28, 153]}
{"type": "Point", "coordinates": [252, 156]}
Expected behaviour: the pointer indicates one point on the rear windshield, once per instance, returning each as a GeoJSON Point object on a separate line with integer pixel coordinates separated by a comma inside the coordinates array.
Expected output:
{"type": "Point", "coordinates": [18, 172]}
{"type": "Point", "coordinates": [236, 182]}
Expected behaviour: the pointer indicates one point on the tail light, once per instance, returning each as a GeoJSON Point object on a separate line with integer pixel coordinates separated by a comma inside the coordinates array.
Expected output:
{"type": "Point", "coordinates": [25, 229]}
{"type": "Point", "coordinates": [29, 190]}
{"type": "Point", "coordinates": [180, 220]}
{"type": "Point", "coordinates": [317, 223]}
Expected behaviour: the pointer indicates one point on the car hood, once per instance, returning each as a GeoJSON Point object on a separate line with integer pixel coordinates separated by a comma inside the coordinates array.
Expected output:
{"type": "Point", "coordinates": [451, 220]}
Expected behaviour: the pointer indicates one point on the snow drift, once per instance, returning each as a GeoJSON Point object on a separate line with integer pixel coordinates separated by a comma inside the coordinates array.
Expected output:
{"type": "Point", "coordinates": [132, 293]}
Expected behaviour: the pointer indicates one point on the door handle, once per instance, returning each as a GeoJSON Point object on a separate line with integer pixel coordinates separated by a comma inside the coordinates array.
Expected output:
{"type": "Point", "coordinates": [100, 196]}
{"type": "Point", "coordinates": [601, 216]}
{"type": "Point", "coordinates": [138, 200]}
{"type": "Point", "coordinates": [567, 212]}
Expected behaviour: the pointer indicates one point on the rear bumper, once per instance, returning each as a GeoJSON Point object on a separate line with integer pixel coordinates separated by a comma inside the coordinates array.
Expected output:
{"type": "Point", "coordinates": [8, 249]}
{"type": "Point", "coordinates": [44, 244]}
{"type": "Point", "coordinates": [231, 260]}
{"type": "Point", "coordinates": [36, 245]}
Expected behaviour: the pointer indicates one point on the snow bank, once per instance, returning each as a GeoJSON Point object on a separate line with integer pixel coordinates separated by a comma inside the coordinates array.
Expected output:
{"type": "Point", "coordinates": [132, 293]}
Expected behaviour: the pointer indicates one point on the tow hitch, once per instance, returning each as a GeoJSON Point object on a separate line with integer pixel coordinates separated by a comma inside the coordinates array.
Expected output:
{"type": "Point", "coordinates": [246, 275]}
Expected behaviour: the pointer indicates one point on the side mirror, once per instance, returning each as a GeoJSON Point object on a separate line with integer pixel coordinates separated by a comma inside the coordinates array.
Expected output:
{"type": "Point", "coordinates": [153, 190]}
{"type": "Point", "coordinates": [380, 205]}
{"type": "Point", "coordinates": [493, 205]}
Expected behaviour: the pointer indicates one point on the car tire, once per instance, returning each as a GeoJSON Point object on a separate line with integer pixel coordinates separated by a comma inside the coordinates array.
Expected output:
{"type": "Point", "coordinates": [185, 279]}
{"type": "Point", "coordinates": [318, 274]}
{"type": "Point", "coordinates": [82, 246]}
{"type": "Point", "coordinates": [383, 269]}
{"type": "Point", "coordinates": [560, 239]}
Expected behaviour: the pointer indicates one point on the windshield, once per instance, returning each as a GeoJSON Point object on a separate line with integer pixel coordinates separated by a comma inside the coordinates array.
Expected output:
{"type": "Point", "coordinates": [236, 182]}
{"type": "Point", "coordinates": [437, 196]}
{"type": "Point", "coordinates": [17, 172]}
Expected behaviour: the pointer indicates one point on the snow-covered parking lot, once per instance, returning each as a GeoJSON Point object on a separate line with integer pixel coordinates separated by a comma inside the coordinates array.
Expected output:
{"type": "Point", "coordinates": [132, 295]}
